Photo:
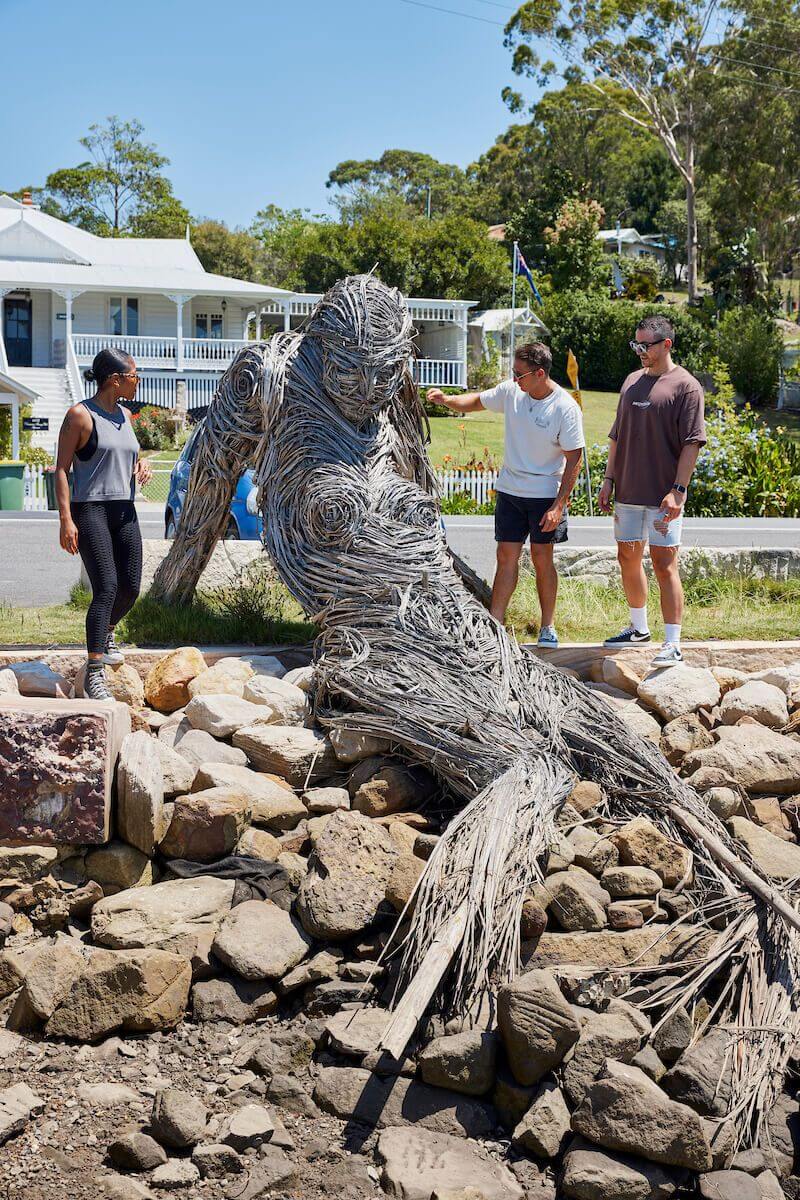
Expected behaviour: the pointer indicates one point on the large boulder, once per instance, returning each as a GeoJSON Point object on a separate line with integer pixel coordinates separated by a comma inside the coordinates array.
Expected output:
{"type": "Point", "coordinates": [283, 703]}
{"type": "Point", "coordinates": [702, 1075]}
{"type": "Point", "coordinates": [221, 715]}
{"type": "Point", "coordinates": [623, 1109]}
{"type": "Point", "coordinates": [206, 825]}
{"type": "Point", "coordinates": [642, 844]}
{"type": "Point", "coordinates": [355, 1094]}
{"type": "Point", "coordinates": [418, 1164]}
{"type": "Point", "coordinates": [760, 701]}
{"type": "Point", "coordinates": [118, 866]}
{"type": "Point", "coordinates": [57, 768]}
{"type": "Point", "coordinates": [536, 1023]}
{"type": "Point", "coordinates": [392, 789]}
{"type": "Point", "coordinates": [227, 676]}
{"type": "Point", "coordinates": [758, 759]}
{"type": "Point", "coordinates": [179, 915]}
{"type": "Point", "coordinates": [683, 735]}
{"type": "Point", "coordinates": [545, 1125]}
{"type": "Point", "coordinates": [645, 947]}
{"type": "Point", "coordinates": [463, 1062]}
{"type": "Point", "coordinates": [51, 974]}
{"type": "Point", "coordinates": [350, 867]}
{"type": "Point", "coordinates": [178, 773]}
{"type": "Point", "coordinates": [295, 753]}
{"type": "Point", "coordinates": [616, 1034]}
{"type": "Point", "coordinates": [273, 802]}
{"type": "Point", "coordinates": [681, 689]}
{"type": "Point", "coordinates": [36, 678]}
{"type": "Point", "coordinates": [592, 1174]}
{"type": "Point", "coordinates": [140, 793]}
{"type": "Point", "coordinates": [139, 991]}
{"type": "Point", "coordinates": [576, 900]}
{"type": "Point", "coordinates": [167, 684]}
{"type": "Point", "coordinates": [199, 747]}
{"type": "Point", "coordinates": [258, 940]}
{"type": "Point", "coordinates": [777, 858]}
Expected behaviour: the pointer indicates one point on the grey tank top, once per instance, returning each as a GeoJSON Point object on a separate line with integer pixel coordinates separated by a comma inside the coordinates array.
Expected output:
{"type": "Point", "coordinates": [107, 472]}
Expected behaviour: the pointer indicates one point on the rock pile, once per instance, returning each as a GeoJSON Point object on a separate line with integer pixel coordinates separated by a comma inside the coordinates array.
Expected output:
{"type": "Point", "coordinates": [216, 966]}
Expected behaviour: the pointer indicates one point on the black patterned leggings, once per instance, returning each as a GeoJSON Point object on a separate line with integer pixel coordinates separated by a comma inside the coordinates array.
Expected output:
{"type": "Point", "coordinates": [110, 544]}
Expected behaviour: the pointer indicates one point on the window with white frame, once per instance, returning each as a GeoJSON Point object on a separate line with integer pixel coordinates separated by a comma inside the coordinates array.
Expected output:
{"type": "Point", "coordinates": [123, 316]}
{"type": "Point", "coordinates": [208, 325]}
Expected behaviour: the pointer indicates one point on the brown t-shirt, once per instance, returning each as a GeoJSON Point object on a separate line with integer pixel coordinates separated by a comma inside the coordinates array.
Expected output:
{"type": "Point", "coordinates": [656, 416]}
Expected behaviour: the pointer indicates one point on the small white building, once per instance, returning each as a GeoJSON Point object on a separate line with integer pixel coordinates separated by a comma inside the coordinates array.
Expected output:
{"type": "Point", "coordinates": [492, 328]}
{"type": "Point", "coordinates": [629, 243]}
{"type": "Point", "coordinates": [65, 294]}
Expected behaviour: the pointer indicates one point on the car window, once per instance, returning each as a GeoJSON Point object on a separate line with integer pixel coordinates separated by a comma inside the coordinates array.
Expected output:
{"type": "Point", "coordinates": [191, 445]}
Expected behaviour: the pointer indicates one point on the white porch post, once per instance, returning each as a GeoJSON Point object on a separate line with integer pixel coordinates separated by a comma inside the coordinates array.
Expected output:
{"type": "Point", "coordinates": [287, 316]}
{"type": "Point", "coordinates": [245, 324]}
{"type": "Point", "coordinates": [464, 340]}
{"type": "Point", "coordinates": [3, 356]}
{"type": "Point", "coordinates": [179, 300]}
{"type": "Point", "coordinates": [14, 425]}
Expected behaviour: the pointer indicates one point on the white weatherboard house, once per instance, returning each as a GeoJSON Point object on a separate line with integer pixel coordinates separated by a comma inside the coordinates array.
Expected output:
{"type": "Point", "coordinates": [65, 294]}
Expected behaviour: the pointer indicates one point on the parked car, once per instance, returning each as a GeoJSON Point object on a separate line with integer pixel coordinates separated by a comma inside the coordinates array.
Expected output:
{"type": "Point", "coordinates": [244, 520]}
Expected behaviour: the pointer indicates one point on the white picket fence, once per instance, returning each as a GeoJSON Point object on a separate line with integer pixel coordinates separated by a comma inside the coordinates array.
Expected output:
{"type": "Point", "coordinates": [35, 490]}
{"type": "Point", "coordinates": [479, 485]}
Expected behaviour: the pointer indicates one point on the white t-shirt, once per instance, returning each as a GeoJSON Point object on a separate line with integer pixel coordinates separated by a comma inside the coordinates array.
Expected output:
{"type": "Point", "coordinates": [537, 432]}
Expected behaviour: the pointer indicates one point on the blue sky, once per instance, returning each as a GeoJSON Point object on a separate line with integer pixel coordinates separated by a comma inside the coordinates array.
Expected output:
{"type": "Point", "coordinates": [252, 103]}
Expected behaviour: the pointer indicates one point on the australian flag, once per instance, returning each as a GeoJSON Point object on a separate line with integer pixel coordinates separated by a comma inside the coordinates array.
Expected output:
{"type": "Point", "coordinates": [524, 270]}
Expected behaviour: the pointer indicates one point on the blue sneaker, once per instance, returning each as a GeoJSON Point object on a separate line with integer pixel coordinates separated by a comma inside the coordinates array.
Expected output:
{"type": "Point", "coordinates": [548, 638]}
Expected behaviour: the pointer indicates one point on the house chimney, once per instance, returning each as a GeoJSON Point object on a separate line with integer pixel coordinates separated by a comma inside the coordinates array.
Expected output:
{"type": "Point", "coordinates": [27, 199]}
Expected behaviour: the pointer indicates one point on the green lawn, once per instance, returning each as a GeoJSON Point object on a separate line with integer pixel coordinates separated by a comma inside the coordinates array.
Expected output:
{"type": "Point", "coordinates": [477, 433]}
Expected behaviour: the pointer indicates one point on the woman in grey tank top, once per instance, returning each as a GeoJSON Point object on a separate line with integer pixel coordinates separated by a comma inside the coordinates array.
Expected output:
{"type": "Point", "coordinates": [98, 444]}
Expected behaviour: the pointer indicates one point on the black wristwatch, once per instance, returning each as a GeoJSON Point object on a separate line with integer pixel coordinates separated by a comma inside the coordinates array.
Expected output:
{"type": "Point", "coordinates": [679, 488]}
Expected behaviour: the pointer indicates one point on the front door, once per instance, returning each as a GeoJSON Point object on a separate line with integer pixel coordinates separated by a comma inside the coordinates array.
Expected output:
{"type": "Point", "coordinates": [17, 332]}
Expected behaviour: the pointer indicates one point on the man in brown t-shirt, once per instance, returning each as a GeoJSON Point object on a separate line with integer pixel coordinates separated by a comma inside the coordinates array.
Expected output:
{"type": "Point", "coordinates": [654, 443]}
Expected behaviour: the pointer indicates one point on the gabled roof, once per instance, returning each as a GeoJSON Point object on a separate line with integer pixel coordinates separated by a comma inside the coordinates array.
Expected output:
{"type": "Point", "coordinates": [9, 384]}
{"type": "Point", "coordinates": [21, 239]}
{"type": "Point", "coordinates": [492, 320]}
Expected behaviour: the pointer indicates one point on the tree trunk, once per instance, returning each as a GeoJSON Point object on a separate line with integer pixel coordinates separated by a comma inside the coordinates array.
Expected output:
{"type": "Point", "coordinates": [691, 218]}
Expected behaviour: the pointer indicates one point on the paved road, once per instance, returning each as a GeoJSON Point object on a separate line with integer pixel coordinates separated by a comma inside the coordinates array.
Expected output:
{"type": "Point", "coordinates": [35, 571]}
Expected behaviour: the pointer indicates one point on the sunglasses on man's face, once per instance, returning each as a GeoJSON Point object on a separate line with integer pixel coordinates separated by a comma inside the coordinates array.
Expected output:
{"type": "Point", "coordinates": [523, 374]}
{"type": "Point", "coordinates": [643, 347]}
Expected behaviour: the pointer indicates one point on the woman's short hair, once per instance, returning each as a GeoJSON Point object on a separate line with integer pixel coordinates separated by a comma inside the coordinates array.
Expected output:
{"type": "Point", "coordinates": [535, 354]}
{"type": "Point", "coordinates": [108, 362]}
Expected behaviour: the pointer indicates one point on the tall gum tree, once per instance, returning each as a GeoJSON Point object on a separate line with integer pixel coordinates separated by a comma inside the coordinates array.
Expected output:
{"type": "Point", "coordinates": [657, 52]}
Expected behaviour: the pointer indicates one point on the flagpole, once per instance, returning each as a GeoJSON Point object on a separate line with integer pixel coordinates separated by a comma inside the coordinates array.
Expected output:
{"type": "Point", "coordinates": [514, 302]}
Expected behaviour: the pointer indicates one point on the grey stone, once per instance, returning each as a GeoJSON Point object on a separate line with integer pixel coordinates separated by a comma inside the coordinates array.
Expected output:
{"type": "Point", "coordinates": [199, 747]}
{"type": "Point", "coordinates": [177, 772]}
{"type": "Point", "coordinates": [777, 858]}
{"type": "Point", "coordinates": [758, 759]}
{"type": "Point", "coordinates": [258, 940]}
{"type": "Point", "coordinates": [17, 1105]}
{"type": "Point", "coordinates": [682, 689]}
{"type": "Point", "coordinates": [648, 1061]}
{"type": "Point", "coordinates": [221, 715]}
{"type": "Point", "coordinates": [215, 1160]}
{"type": "Point", "coordinates": [323, 966]}
{"type": "Point", "coordinates": [321, 800]}
{"type": "Point", "coordinates": [179, 1120]}
{"type": "Point", "coordinates": [251, 1125]}
{"type": "Point", "coordinates": [418, 1163]}
{"type": "Point", "coordinates": [349, 870]}
{"type": "Point", "coordinates": [592, 1174]}
{"type": "Point", "coordinates": [625, 1110]}
{"type": "Point", "coordinates": [136, 1151]}
{"type": "Point", "coordinates": [238, 1001]}
{"type": "Point", "coordinates": [462, 1062]}
{"type": "Point", "coordinates": [545, 1125]}
{"type": "Point", "coordinates": [575, 903]}
{"type": "Point", "coordinates": [296, 753]}
{"type": "Point", "coordinates": [357, 1032]}
{"type": "Point", "coordinates": [140, 793]}
{"type": "Point", "coordinates": [273, 1174]}
{"type": "Point", "coordinates": [758, 700]}
{"type": "Point", "coordinates": [175, 1173]}
{"type": "Point", "coordinates": [729, 1185]}
{"type": "Point", "coordinates": [171, 915]}
{"type": "Point", "coordinates": [605, 1035]}
{"type": "Point", "coordinates": [285, 702]}
{"type": "Point", "coordinates": [673, 1037]}
{"type": "Point", "coordinates": [702, 1075]}
{"type": "Point", "coordinates": [536, 1023]}
{"type": "Point", "coordinates": [352, 1093]}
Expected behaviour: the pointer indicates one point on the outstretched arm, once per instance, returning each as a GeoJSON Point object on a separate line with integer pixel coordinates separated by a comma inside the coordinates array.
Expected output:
{"type": "Point", "coordinates": [226, 446]}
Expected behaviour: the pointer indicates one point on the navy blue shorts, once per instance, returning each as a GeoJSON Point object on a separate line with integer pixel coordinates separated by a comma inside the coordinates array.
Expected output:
{"type": "Point", "coordinates": [516, 518]}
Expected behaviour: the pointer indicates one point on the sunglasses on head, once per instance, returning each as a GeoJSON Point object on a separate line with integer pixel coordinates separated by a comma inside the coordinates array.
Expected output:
{"type": "Point", "coordinates": [643, 347]}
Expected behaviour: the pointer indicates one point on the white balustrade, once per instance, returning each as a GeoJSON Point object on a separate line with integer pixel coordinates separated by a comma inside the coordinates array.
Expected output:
{"type": "Point", "coordinates": [211, 352]}
{"type": "Point", "coordinates": [146, 351]}
{"type": "Point", "coordinates": [35, 489]}
{"type": "Point", "coordinates": [438, 372]}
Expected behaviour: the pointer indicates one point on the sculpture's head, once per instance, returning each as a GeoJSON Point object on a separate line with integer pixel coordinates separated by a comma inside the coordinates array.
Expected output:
{"type": "Point", "coordinates": [365, 333]}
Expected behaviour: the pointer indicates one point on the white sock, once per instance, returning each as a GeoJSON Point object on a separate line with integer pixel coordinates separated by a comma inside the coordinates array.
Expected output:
{"type": "Point", "coordinates": [672, 634]}
{"type": "Point", "coordinates": [639, 619]}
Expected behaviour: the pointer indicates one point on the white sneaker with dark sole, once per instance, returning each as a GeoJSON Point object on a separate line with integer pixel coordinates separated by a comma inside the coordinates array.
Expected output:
{"type": "Point", "coordinates": [112, 655]}
{"type": "Point", "coordinates": [628, 637]}
{"type": "Point", "coordinates": [548, 638]}
{"type": "Point", "coordinates": [668, 656]}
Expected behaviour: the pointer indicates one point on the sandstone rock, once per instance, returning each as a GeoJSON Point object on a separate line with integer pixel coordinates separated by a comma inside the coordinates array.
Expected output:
{"type": "Point", "coordinates": [296, 753]}
{"type": "Point", "coordinates": [140, 793]}
{"type": "Point", "coordinates": [199, 747]}
{"type": "Point", "coordinates": [302, 677]}
{"type": "Point", "coordinates": [135, 990]}
{"type": "Point", "coordinates": [681, 689]}
{"type": "Point", "coordinates": [729, 1185]}
{"type": "Point", "coordinates": [673, 1036]}
{"type": "Point", "coordinates": [175, 1173]}
{"type": "Point", "coordinates": [462, 1062]}
{"type": "Point", "coordinates": [119, 866]}
{"type": "Point", "coordinates": [273, 802]}
{"type": "Point", "coordinates": [352, 1093]}
{"type": "Point", "coordinates": [786, 678]}
{"type": "Point", "coordinates": [8, 683]}
{"type": "Point", "coordinates": [172, 915]}
{"type": "Point", "coordinates": [592, 852]}
{"type": "Point", "coordinates": [760, 701]}
{"type": "Point", "coordinates": [417, 1164]}
{"type": "Point", "coordinates": [321, 967]}
{"type": "Point", "coordinates": [227, 676]}
{"type": "Point", "coordinates": [257, 843]}
{"type": "Point", "coordinates": [167, 684]}
{"type": "Point", "coordinates": [124, 682]}
{"type": "Point", "coordinates": [57, 767]}
{"type": "Point", "coordinates": [349, 870]}
{"type": "Point", "coordinates": [545, 1125]}
{"type": "Point", "coordinates": [642, 844]}
{"type": "Point", "coordinates": [24, 864]}
{"type": "Point", "coordinates": [724, 802]}
{"type": "Point", "coordinates": [215, 1160]}
{"type": "Point", "coordinates": [624, 1110]}
{"type": "Point", "coordinates": [51, 974]}
{"type": "Point", "coordinates": [758, 759]}
{"type": "Point", "coordinates": [322, 800]}
{"type": "Point", "coordinates": [136, 1151]}
{"type": "Point", "coordinates": [206, 825]}
{"type": "Point", "coordinates": [645, 947]}
{"type": "Point", "coordinates": [357, 1032]}
{"type": "Point", "coordinates": [576, 901]}
{"type": "Point", "coordinates": [624, 916]}
{"type": "Point", "coordinates": [585, 796]}
{"type": "Point", "coordinates": [592, 1174]}
{"type": "Point", "coordinates": [390, 790]}
{"type": "Point", "coordinates": [534, 919]}
{"type": "Point", "coordinates": [403, 880]}
{"type": "Point", "coordinates": [222, 715]}
{"type": "Point", "coordinates": [122, 1187]}
{"type": "Point", "coordinates": [351, 747]}
{"type": "Point", "coordinates": [177, 772]}
{"type": "Point", "coordinates": [252, 1125]}
{"type": "Point", "coordinates": [17, 1105]}
{"type": "Point", "coordinates": [258, 940]}
{"type": "Point", "coordinates": [683, 735]}
{"type": "Point", "coordinates": [295, 866]}
{"type": "Point", "coordinates": [619, 674]}
{"type": "Point", "coordinates": [35, 678]}
{"type": "Point", "coordinates": [624, 883]}
{"type": "Point", "coordinates": [178, 1119]}
{"type": "Point", "coordinates": [238, 1001]}
{"type": "Point", "coordinates": [648, 1061]}
{"type": "Point", "coordinates": [536, 1023]}
{"type": "Point", "coordinates": [14, 964]}
{"type": "Point", "coordinates": [777, 858]}
{"type": "Point", "coordinates": [605, 1035]}
{"type": "Point", "coordinates": [286, 703]}
{"type": "Point", "coordinates": [701, 1076]}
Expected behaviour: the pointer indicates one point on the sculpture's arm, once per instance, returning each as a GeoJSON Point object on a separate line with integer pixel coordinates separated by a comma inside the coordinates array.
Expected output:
{"type": "Point", "coordinates": [226, 446]}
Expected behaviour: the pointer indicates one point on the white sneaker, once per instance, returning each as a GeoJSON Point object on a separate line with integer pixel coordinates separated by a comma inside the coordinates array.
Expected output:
{"type": "Point", "coordinates": [112, 655]}
{"type": "Point", "coordinates": [548, 637]}
{"type": "Point", "coordinates": [668, 656]}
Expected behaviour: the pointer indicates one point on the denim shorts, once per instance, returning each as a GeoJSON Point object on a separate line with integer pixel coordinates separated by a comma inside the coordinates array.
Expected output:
{"type": "Point", "coordinates": [637, 523]}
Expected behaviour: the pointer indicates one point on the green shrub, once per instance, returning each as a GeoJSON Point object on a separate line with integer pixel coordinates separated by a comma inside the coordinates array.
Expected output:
{"type": "Point", "coordinates": [485, 373]}
{"type": "Point", "coordinates": [439, 410]}
{"type": "Point", "coordinates": [598, 331]}
{"type": "Point", "coordinates": [5, 429]}
{"type": "Point", "coordinates": [154, 428]}
{"type": "Point", "coordinates": [642, 277]}
{"type": "Point", "coordinates": [751, 345]}
{"type": "Point", "coordinates": [35, 456]}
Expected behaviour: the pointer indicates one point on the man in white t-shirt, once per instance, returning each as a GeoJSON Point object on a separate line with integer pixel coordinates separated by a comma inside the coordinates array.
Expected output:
{"type": "Point", "coordinates": [543, 449]}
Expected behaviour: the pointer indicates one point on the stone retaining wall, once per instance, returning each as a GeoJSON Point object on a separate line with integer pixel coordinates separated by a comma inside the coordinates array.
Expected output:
{"type": "Point", "coordinates": [598, 564]}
